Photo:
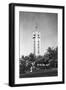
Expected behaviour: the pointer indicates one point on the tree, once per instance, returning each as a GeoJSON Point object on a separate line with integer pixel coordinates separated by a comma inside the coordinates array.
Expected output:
{"type": "Point", "coordinates": [32, 57]}
{"type": "Point", "coordinates": [53, 56]}
{"type": "Point", "coordinates": [22, 66]}
{"type": "Point", "coordinates": [22, 57]}
{"type": "Point", "coordinates": [26, 58]}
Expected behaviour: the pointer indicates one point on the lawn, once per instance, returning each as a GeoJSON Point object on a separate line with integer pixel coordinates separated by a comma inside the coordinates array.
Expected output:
{"type": "Point", "coordinates": [42, 73]}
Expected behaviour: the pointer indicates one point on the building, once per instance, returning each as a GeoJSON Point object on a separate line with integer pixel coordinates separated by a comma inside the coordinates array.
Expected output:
{"type": "Point", "coordinates": [36, 43]}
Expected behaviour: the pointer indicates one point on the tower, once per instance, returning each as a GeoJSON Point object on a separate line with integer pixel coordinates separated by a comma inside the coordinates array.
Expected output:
{"type": "Point", "coordinates": [36, 43]}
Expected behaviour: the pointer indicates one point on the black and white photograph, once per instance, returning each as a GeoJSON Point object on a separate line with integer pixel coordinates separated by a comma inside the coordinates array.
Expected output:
{"type": "Point", "coordinates": [36, 44]}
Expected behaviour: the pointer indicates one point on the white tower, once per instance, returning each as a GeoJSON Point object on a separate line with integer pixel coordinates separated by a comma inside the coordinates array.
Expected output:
{"type": "Point", "coordinates": [36, 42]}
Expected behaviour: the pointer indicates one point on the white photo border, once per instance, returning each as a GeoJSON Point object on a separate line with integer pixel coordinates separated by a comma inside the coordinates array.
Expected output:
{"type": "Point", "coordinates": [37, 79]}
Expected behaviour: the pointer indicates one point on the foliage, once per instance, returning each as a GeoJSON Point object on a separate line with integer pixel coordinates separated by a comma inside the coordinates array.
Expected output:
{"type": "Point", "coordinates": [32, 57]}
{"type": "Point", "coordinates": [22, 66]}
{"type": "Point", "coordinates": [49, 60]}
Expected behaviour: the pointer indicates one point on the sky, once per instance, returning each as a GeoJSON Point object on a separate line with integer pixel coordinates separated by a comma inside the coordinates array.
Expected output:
{"type": "Point", "coordinates": [47, 26]}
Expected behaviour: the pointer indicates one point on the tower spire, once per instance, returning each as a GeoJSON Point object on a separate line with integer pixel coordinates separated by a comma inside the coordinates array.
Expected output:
{"type": "Point", "coordinates": [36, 27]}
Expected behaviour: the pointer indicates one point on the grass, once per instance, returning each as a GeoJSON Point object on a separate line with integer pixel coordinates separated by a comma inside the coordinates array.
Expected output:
{"type": "Point", "coordinates": [42, 73]}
